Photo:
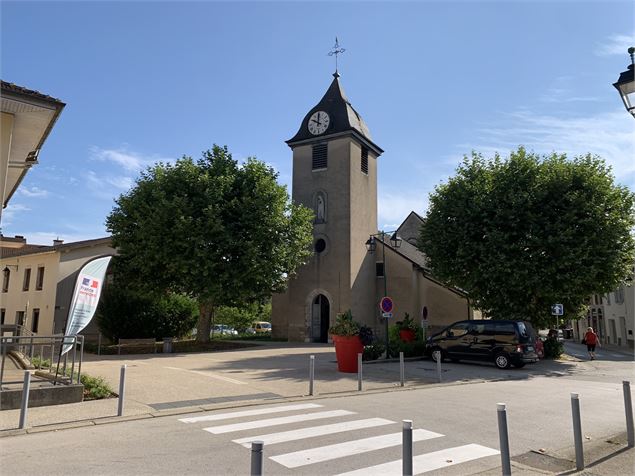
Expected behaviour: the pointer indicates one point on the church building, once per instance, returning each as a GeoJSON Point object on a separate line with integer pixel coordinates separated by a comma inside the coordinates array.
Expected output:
{"type": "Point", "coordinates": [353, 264]}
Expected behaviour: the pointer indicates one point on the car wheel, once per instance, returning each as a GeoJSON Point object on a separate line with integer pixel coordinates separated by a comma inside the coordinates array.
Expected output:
{"type": "Point", "coordinates": [502, 361]}
{"type": "Point", "coordinates": [439, 354]}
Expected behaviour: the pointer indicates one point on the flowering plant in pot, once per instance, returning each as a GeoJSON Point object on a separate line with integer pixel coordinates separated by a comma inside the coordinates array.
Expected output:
{"type": "Point", "coordinates": [348, 342]}
{"type": "Point", "coordinates": [407, 329]}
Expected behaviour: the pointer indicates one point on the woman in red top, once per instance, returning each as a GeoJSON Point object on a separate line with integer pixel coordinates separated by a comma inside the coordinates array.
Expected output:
{"type": "Point", "coordinates": [591, 340]}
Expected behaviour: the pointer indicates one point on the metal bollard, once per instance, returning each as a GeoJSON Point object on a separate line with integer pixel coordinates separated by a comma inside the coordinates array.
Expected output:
{"type": "Point", "coordinates": [99, 344]}
{"type": "Point", "coordinates": [438, 359]}
{"type": "Point", "coordinates": [311, 373]}
{"type": "Point", "coordinates": [406, 456]}
{"type": "Point", "coordinates": [401, 368]}
{"type": "Point", "coordinates": [577, 431]}
{"type": "Point", "coordinates": [359, 372]}
{"type": "Point", "coordinates": [256, 457]}
{"type": "Point", "coordinates": [122, 389]}
{"type": "Point", "coordinates": [24, 408]}
{"type": "Point", "coordinates": [503, 438]}
{"type": "Point", "coordinates": [628, 408]}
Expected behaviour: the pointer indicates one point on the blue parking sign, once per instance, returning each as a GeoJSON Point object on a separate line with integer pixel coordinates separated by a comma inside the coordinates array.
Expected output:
{"type": "Point", "coordinates": [557, 309]}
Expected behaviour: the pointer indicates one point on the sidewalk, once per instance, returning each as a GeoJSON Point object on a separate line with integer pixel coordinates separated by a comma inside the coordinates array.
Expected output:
{"type": "Point", "coordinates": [606, 457]}
{"type": "Point", "coordinates": [159, 385]}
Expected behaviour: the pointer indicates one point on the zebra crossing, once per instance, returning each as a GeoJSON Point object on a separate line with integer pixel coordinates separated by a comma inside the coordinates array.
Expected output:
{"type": "Point", "coordinates": [315, 414]}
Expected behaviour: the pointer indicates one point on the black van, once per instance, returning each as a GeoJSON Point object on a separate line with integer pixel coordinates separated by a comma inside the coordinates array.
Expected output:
{"type": "Point", "coordinates": [503, 342]}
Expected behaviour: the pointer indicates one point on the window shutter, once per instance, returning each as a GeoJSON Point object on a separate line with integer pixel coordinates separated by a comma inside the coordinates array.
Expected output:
{"type": "Point", "coordinates": [365, 160]}
{"type": "Point", "coordinates": [320, 156]}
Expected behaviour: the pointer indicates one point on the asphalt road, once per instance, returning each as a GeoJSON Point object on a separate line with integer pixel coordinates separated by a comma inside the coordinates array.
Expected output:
{"type": "Point", "coordinates": [456, 430]}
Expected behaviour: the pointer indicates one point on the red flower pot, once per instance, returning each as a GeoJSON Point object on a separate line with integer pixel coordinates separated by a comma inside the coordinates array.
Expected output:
{"type": "Point", "coordinates": [346, 350]}
{"type": "Point", "coordinates": [407, 335]}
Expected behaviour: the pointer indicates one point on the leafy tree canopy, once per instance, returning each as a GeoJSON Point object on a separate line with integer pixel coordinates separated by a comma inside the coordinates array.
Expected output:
{"type": "Point", "coordinates": [215, 230]}
{"type": "Point", "coordinates": [524, 233]}
{"type": "Point", "coordinates": [126, 313]}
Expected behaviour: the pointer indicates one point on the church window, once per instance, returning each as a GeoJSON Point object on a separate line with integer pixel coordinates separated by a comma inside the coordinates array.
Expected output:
{"type": "Point", "coordinates": [365, 160]}
{"type": "Point", "coordinates": [320, 156]}
{"type": "Point", "coordinates": [320, 245]}
{"type": "Point", "coordinates": [379, 269]}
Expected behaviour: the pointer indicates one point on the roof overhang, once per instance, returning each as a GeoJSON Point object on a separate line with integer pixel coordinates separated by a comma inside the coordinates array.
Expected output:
{"type": "Point", "coordinates": [31, 117]}
{"type": "Point", "coordinates": [349, 133]}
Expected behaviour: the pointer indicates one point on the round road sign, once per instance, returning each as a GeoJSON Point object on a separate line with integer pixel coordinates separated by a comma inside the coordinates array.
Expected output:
{"type": "Point", "coordinates": [386, 304]}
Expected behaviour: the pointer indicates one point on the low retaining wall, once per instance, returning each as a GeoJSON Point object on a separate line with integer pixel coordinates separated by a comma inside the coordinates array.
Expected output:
{"type": "Point", "coordinates": [42, 396]}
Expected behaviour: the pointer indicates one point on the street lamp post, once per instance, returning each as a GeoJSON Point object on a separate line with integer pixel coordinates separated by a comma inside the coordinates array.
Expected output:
{"type": "Point", "coordinates": [371, 246]}
{"type": "Point", "coordinates": [625, 84]}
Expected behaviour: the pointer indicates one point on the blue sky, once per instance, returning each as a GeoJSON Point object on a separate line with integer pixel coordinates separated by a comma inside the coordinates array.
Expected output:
{"type": "Point", "coordinates": [434, 80]}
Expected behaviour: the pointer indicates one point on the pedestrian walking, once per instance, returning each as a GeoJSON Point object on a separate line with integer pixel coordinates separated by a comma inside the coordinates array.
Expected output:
{"type": "Point", "coordinates": [591, 340]}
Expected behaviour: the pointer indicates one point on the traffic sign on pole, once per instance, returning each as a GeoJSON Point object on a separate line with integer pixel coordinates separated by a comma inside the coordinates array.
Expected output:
{"type": "Point", "coordinates": [557, 309]}
{"type": "Point", "coordinates": [386, 304]}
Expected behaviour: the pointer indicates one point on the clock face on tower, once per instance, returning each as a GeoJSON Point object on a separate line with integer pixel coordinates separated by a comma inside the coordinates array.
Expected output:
{"type": "Point", "coordinates": [319, 122]}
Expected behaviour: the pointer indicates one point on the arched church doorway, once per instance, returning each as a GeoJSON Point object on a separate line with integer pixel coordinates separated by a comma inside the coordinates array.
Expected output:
{"type": "Point", "coordinates": [320, 319]}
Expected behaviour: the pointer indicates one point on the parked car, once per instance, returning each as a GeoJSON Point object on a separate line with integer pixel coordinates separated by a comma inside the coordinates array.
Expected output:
{"type": "Point", "coordinates": [225, 330]}
{"type": "Point", "coordinates": [500, 341]}
{"type": "Point", "coordinates": [261, 327]}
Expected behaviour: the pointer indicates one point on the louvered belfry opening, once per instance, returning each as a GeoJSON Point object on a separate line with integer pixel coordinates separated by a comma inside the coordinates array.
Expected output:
{"type": "Point", "coordinates": [365, 160]}
{"type": "Point", "coordinates": [320, 156]}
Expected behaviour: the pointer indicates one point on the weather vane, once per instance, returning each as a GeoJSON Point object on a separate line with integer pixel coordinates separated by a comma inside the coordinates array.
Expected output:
{"type": "Point", "coordinates": [336, 50]}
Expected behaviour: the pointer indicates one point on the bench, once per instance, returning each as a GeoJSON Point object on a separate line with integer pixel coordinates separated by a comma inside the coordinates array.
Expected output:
{"type": "Point", "coordinates": [136, 343]}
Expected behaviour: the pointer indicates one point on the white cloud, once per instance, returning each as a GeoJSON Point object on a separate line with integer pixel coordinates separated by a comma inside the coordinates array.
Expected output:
{"type": "Point", "coordinates": [122, 183]}
{"type": "Point", "coordinates": [106, 187]}
{"type": "Point", "coordinates": [615, 45]}
{"type": "Point", "coordinates": [10, 212]}
{"type": "Point", "coordinates": [34, 192]}
{"type": "Point", "coordinates": [394, 208]}
{"type": "Point", "coordinates": [610, 135]}
{"type": "Point", "coordinates": [47, 237]}
{"type": "Point", "coordinates": [130, 161]}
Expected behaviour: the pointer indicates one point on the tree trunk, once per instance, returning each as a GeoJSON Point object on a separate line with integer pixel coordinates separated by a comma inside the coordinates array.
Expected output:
{"type": "Point", "coordinates": [204, 325]}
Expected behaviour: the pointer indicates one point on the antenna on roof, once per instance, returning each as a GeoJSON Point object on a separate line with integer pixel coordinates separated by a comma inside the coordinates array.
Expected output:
{"type": "Point", "coordinates": [336, 50]}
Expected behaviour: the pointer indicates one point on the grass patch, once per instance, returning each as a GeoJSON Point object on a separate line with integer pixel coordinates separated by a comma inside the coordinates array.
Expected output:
{"type": "Point", "coordinates": [261, 337]}
{"type": "Point", "coordinates": [218, 344]}
{"type": "Point", "coordinates": [95, 388]}
{"type": "Point", "coordinates": [39, 362]}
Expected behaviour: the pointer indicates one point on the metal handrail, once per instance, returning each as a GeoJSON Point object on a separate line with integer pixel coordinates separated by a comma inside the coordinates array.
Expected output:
{"type": "Point", "coordinates": [37, 345]}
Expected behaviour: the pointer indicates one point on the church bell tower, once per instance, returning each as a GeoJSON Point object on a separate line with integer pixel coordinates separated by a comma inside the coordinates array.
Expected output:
{"type": "Point", "coordinates": [334, 174]}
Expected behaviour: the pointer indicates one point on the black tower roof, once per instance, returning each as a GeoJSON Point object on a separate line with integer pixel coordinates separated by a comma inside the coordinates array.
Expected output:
{"type": "Point", "coordinates": [345, 119]}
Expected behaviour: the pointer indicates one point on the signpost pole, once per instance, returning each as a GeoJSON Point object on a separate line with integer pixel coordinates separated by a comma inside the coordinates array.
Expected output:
{"type": "Point", "coordinates": [383, 247]}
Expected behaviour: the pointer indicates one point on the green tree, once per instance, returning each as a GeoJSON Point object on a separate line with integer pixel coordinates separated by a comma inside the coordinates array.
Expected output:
{"type": "Point", "coordinates": [240, 318]}
{"type": "Point", "coordinates": [220, 232]}
{"type": "Point", "coordinates": [524, 233]}
{"type": "Point", "coordinates": [124, 312]}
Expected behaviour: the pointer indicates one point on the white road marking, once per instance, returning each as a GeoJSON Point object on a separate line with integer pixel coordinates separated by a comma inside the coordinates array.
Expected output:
{"type": "Point", "coordinates": [256, 411]}
{"type": "Point", "coordinates": [210, 375]}
{"type": "Point", "coordinates": [349, 448]}
{"type": "Point", "coordinates": [429, 461]}
{"type": "Point", "coordinates": [249, 425]}
{"type": "Point", "coordinates": [313, 431]}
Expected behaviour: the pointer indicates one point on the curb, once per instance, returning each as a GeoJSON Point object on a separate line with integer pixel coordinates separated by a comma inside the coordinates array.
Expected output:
{"type": "Point", "coordinates": [220, 406]}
